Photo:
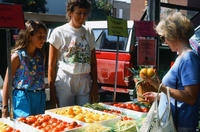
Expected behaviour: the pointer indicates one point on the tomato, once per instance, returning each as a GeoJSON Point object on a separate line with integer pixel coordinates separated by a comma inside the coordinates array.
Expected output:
{"type": "Point", "coordinates": [55, 124]}
{"type": "Point", "coordinates": [9, 129]}
{"type": "Point", "coordinates": [38, 116]}
{"type": "Point", "coordinates": [39, 127]}
{"type": "Point", "coordinates": [31, 119]}
{"type": "Point", "coordinates": [70, 126]}
{"type": "Point", "coordinates": [44, 124]}
{"type": "Point", "coordinates": [56, 129]}
{"type": "Point", "coordinates": [34, 124]}
{"type": "Point", "coordinates": [136, 108]}
{"type": "Point", "coordinates": [144, 109]}
{"type": "Point", "coordinates": [129, 107]}
{"type": "Point", "coordinates": [74, 123]}
{"type": "Point", "coordinates": [116, 105]}
{"type": "Point", "coordinates": [47, 117]}
{"type": "Point", "coordinates": [22, 119]}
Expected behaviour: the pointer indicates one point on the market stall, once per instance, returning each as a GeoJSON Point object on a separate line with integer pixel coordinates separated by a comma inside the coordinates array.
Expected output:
{"type": "Point", "coordinates": [90, 117]}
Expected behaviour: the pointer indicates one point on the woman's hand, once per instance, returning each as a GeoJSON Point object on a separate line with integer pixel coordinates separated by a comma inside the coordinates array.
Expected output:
{"type": "Point", "coordinates": [150, 96]}
{"type": "Point", "coordinates": [155, 81]}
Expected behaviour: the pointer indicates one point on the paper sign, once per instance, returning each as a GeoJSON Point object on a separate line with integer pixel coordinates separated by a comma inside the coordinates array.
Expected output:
{"type": "Point", "coordinates": [144, 29]}
{"type": "Point", "coordinates": [146, 52]}
{"type": "Point", "coordinates": [11, 16]}
{"type": "Point", "coordinates": [117, 27]}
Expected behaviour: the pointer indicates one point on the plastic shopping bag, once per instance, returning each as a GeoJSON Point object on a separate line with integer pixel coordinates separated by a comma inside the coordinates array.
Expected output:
{"type": "Point", "coordinates": [154, 123]}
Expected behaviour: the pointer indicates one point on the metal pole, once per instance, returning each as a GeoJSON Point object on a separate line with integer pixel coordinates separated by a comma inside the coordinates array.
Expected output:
{"type": "Point", "coordinates": [8, 38]}
{"type": "Point", "coordinates": [116, 67]}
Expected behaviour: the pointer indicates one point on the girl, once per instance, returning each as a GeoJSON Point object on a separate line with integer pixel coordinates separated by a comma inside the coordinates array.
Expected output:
{"type": "Point", "coordinates": [72, 47]}
{"type": "Point", "coordinates": [27, 64]}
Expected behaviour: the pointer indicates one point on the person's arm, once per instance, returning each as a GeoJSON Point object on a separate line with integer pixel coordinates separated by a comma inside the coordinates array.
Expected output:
{"type": "Point", "coordinates": [94, 89]}
{"type": "Point", "coordinates": [53, 52]}
{"type": "Point", "coordinates": [189, 95]}
{"type": "Point", "coordinates": [15, 62]}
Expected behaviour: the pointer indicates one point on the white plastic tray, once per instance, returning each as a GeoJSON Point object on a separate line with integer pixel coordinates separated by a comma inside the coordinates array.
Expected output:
{"type": "Point", "coordinates": [109, 122]}
{"type": "Point", "coordinates": [19, 125]}
{"type": "Point", "coordinates": [130, 113]}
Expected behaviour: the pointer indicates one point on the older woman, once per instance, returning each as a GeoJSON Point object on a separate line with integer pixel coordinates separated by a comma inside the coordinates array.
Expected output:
{"type": "Point", "coordinates": [183, 79]}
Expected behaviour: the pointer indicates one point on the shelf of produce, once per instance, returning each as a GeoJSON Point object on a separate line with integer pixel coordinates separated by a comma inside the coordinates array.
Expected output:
{"type": "Point", "coordinates": [90, 115]}
{"type": "Point", "coordinates": [130, 113]}
{"type": "Point", "coordinates": [22, 127]}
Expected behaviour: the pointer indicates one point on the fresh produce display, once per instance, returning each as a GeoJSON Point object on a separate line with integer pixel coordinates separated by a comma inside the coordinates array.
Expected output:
{"type": "Point", "coordinates": [97, 127]}
{"type": "Point", "coordinates": [126, 126]}
{"type": "Point", "coordinates": [46, 123]}
{"type": "Point", "coordinates": [84, 115]}
{"type": "Point", "coordinates": [95, 106]}
{"type": "Point", "coordinates": [7, 128]}
{"type": "Point", "coordinates": [140, 107]}
{"type": "Point", "coordinates": [99, 107]}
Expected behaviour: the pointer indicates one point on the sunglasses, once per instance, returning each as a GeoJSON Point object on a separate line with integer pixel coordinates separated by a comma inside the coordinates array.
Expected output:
{"type": "Point", "coordinates": [162, 38]}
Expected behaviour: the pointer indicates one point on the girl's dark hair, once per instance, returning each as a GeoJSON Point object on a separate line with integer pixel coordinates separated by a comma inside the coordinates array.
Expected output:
{"type": "Point", "coordinates": [31, 27]}
{"type": "Point", "coordinates": [71, 4]}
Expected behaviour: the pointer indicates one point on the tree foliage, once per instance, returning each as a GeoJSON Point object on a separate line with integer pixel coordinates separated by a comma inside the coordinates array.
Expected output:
{"type": "Point", "coordinates": [30, 5]}
{"type": "Point", "coordinates": [104, 5]}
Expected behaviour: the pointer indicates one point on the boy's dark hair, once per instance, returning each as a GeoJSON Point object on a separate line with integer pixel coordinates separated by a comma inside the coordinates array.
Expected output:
{"type": "Point", "coordinates": [71, 4]}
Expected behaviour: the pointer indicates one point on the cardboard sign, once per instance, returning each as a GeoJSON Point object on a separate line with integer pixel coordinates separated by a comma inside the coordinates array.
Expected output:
{"type": "Point", "coordinates": [146, 52]}
{"type": "Point", "coordinates": [144, 29]}
{"type": "Point", "coordinates": [117, 27]}
{"type": "Point", "coordinates": [11, 16]}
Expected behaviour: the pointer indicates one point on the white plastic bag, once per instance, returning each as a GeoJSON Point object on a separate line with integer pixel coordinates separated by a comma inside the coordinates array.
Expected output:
{"type": "Point", "coordinates": [154, 123]}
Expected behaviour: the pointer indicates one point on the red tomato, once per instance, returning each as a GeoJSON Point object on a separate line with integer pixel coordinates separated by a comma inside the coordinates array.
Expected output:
{"type": "Point", "coordinates": [47, 117]}
{"type": "Point", "coordinates": [31, 119]}
{"type": "Point", "coordinates": [9, 129]}
{"type": "Point", "coordinates": [44, 124]}
{"type": "Point", "coordinates": [129, 107]}
{"type": "Point", "coordinates": [144, 109]}
{"type": "Point", "coordinates": [22, 119]}
{"type": "Point", "coordinates": [39, 127]}
{"type": "Point", "coordinates": [74, 123]}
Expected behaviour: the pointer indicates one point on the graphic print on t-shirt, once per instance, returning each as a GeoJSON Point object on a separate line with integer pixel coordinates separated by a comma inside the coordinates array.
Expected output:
{"type": "Point", "coordinates": [78, 50]}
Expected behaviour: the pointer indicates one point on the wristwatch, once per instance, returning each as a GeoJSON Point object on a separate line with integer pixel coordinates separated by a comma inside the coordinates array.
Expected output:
{"type": "Point", "coordinates": [5, 107]}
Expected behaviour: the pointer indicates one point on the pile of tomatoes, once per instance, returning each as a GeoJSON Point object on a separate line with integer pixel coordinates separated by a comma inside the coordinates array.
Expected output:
{"type": "Point", "coordinates": [7, 128]}
{"type": "Point", "coordinates": [132, 106]}
{"type": "Point", "coordinates": [48, 124]}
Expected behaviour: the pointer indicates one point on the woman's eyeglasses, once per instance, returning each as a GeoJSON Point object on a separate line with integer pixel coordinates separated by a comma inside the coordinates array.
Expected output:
{"type": "Point", "coordinates": [162, 38]}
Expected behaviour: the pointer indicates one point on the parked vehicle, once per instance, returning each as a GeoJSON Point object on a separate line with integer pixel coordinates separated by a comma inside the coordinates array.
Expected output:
{"type": "Point", "coordinates": [106, 50]}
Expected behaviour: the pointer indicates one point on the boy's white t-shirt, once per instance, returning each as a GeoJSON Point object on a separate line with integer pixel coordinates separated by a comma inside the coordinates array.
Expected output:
{"type": "Point", "coordinates": [74, 47]}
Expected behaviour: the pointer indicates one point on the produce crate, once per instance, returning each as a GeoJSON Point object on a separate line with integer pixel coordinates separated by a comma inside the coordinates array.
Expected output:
{"type": "Point", "coordinates": [108, 122]}
{"type": "Point", "coordinates": [131, 113]}
{"type": "Point", "coordinates": [69, 120]}
{"type": "Point", "coordinates": [19, 125]}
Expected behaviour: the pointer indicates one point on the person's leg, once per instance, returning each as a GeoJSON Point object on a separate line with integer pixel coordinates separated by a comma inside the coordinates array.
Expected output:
{"type": "Point", "coordinates": [82, 85]}
{"type": "Point", "coordinates": [63, 89]}
{"type": "Point", "coordinates": [82, 99]}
